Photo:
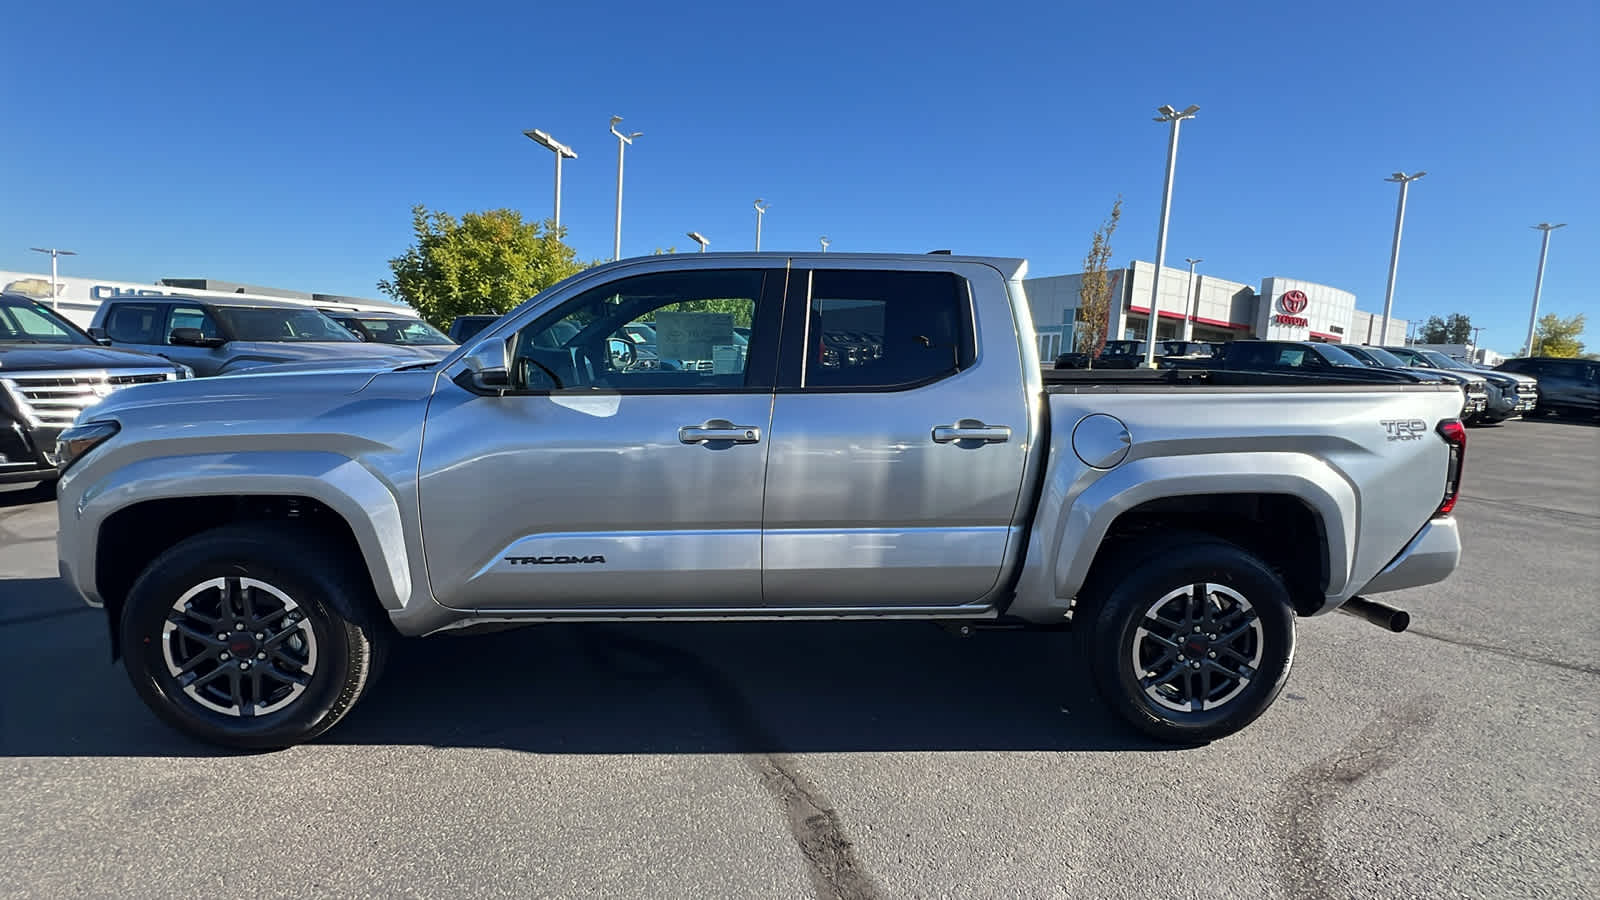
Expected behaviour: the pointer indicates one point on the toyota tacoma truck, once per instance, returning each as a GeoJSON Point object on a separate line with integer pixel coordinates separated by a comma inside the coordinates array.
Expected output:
{"type": "Point", "coordinates": [257, 541]}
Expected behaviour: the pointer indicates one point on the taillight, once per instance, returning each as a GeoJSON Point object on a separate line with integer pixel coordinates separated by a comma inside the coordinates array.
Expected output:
{"type": "Point", "coordinates": [1455, 436]}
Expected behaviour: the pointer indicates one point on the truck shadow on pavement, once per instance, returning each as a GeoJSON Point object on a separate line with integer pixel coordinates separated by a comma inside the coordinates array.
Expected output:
{"type": "Point", "coordinates": [624, 689]}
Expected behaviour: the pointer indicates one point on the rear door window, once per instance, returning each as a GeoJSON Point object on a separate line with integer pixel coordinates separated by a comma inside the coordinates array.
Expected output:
{"type": "Point", "coordinates": [878, 330]}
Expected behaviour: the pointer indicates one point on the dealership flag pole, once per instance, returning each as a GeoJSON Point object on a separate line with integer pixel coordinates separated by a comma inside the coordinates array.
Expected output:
{"type": "Point", "coordinates": [1404, 181]}
{"type": "Point", "coordinates": [1538, 281]}
{"type": "Point", "coordinates": [1168, 114]}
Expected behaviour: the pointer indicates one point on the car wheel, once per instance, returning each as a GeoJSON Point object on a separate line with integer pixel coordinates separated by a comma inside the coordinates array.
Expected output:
{"type": "Point", "coordinates": [1194, 642]}
{"type": "Point", "coordinates": [233, 637]}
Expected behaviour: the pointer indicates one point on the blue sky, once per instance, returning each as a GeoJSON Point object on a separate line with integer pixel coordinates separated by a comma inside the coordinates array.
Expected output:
{"type": "Point", "coordinates": [284, 144]}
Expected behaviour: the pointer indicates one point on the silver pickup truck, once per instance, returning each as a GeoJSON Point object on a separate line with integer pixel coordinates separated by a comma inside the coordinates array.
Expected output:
{"type": "Point", "coordinates": [851, 437]}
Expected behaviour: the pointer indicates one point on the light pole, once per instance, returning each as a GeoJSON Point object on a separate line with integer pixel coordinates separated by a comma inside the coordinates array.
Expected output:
{"type": "Point", "coordinates": [824, 242]}
{"type": "Point", "coordinates": [54, 254]}
{"type": "Point", "coordinates": [1538, 282]}
{"type": "Point", "coordinates": [1475, 330]}
{"type": "Point", "coordinates": [1168, 114]}
{"type": "Point", "coordinates": [623, 140]}
{"type": "Point", "coordinates": [761, 210]}
{"type": "Point", "coordinates": [562, 151]}
{"type": "Point", "coordinates": [1404, 181]}
{"type": "Point", "coordinates": [1191, 303]}
{"type": "Point", "coordinates": [700, 239]}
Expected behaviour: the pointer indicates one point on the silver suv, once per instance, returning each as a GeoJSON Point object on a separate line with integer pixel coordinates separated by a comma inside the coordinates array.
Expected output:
{"type": "Point", "coordinates": [224, 338]}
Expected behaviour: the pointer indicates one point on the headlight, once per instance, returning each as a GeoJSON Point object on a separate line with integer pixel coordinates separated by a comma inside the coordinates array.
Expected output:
{"type": "Point", "coordinates": [80, 439]}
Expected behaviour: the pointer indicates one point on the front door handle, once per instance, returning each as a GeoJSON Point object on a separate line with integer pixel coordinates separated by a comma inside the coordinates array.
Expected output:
{"type": "Point", "coordinates": [719, 430]}
{"type": "Point", "coordinates": [969, 430]}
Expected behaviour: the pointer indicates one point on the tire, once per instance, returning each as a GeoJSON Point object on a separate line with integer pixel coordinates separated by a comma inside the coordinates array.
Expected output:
{"type": "Point", "coordinates": [1241, 592]}
{"type": "Point", "coordinates": [290, 590]}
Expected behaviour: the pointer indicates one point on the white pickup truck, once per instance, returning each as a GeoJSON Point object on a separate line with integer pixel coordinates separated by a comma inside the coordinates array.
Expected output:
{"type": "Point", "coordinates": [843, 437]}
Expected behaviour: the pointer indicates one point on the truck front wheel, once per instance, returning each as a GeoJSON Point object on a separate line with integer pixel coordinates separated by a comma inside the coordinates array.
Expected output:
{"type": "Point", "coordinates": [232, 636]}
{"type": "Point", "coordinates": [1193, 641]}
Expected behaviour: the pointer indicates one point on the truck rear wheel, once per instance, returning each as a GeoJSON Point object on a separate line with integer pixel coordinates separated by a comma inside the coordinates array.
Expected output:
{"type": "Point", "coordinates": [233, 637]}
{"type": "Point", "coordinates": [1193, 641]}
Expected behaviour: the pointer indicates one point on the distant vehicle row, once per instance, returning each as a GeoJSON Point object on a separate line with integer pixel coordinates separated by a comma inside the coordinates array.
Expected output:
{"type": "Point", "coordinates": [1537, 386]}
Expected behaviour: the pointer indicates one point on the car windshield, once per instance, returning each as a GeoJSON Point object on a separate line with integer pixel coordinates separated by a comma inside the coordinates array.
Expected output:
{"type": "Point", "coordinates": [1384, 357]}
{"type": "Point", "coordinates": [26, 322]}
{"type": "Point", "coordinates": [1338, 356]}
{"type": "Point", "coordinates": [278, 324]}
{"type": "Point", "coordinates": [1408, 357]}
{"type": "Point", "coordinates": [403, 331]}
{"type": "Point", "coordinates": [1442, 361]}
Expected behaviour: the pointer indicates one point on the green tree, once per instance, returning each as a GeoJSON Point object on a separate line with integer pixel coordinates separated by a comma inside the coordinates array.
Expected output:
{"type": "Point", "coordinates": [1458, 329]}
{"type": "Point", "coordinates": [1433, 331]}
{"type": "Point", "coordinates": [1096, 289]}
{"type": "Point", "coordinates": [1556, 336]}
{"type": "Point", "coordinates": [485, 263]}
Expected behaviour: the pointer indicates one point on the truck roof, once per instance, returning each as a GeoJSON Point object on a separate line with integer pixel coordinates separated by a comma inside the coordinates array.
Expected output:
{"type": "Point", "coordinates": [1010, 267]}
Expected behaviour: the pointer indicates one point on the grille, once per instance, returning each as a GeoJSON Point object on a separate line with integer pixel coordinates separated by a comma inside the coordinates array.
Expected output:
{"type": "Point", "coordinates": [56, 398]}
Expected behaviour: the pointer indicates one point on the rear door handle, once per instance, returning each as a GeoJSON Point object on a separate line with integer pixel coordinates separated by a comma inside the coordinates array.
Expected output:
{"type": "Point", "coordinates": [719, 430]}
{"type": "Point", "coordinates": [967, 430]}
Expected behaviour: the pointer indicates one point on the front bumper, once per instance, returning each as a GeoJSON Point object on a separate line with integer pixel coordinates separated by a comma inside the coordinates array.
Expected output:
{"type": "Point", "coordinates": [22, 452]}
{"type": "Point", "coordinates": [1430, 558]}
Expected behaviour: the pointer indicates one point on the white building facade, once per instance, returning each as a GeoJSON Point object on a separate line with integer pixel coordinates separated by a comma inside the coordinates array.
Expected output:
{"type": "Point", "coordinates": [1213, 309]}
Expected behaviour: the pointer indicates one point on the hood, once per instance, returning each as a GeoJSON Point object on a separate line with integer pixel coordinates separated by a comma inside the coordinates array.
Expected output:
{"type": "Point", "coordinates": [34, 357]}
{"type": "Point", "coordinates": [1458, 376]}
{"type": "Point", "coordinates": [247, 388]}
{"type": "Point", "coordinates": [1494, 374]}
{"type": "Point", "coordinates": [258, 353]}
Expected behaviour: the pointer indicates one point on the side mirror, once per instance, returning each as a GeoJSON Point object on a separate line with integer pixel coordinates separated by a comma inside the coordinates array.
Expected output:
{"type": "Point", "coordinates": [623, 354]}
{"type": "Point", "coordinates": [485, 369]}
{"type": "Point", "coordinates": [194, 337]}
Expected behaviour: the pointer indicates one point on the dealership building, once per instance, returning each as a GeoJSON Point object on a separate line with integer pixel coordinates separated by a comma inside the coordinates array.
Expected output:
{"type": "Point", "coordinates": [78, 298]}
{"type": "Point", "coordinates": [1285, 309]}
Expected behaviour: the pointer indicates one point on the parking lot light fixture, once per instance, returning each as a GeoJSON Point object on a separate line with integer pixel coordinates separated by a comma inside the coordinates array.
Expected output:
{"type": "Point", "coordinates": [562, 151]}
{"type": "Point", "coordinates": [1404, 181]}
{"type": "Point", "coordinates": [55, 254]}
{"type": "Point", "coordinates": [1538, 281]}
{"type": "Point", "coordinates": [623, 140]}
{"type": "Point", "coordinates": [824, 242]}
{"type": "Point", "coordinates": [700, 239]}
{"type": "Point", "coordinates": [761, 210]}
{"type": "Point", "coordinates": [1175, 117]}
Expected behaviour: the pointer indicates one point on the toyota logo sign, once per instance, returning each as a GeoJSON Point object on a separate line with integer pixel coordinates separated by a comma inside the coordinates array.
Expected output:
{"type": "Point", "coordinates": [1293, 302]}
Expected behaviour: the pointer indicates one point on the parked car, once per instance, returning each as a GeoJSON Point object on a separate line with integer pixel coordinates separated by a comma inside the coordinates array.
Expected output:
{"type": "Point", "coordinates": [1178, 521]}
{"type": "Point", "coordinates": [1124, 354]}
{"type": "Point", "coordinates": [1509, 394]}
{"type": "Point", "coordinates": [50, 371]}
{"type": "Point", "coordinates": [1474, 383]}
{"type": "Point", "coordinates": [1378, 358]}
{"type": "Point", "coordinates": [465, 328]}
{"type": "Point", "coordinates": [1307, 357]}
{"type": "Point", "coordinates": [1115, 354]}
{"type": "Point", "coordinates": [213, 337]}
{"type": "Point", "coordinates": [393, 328]}
{"type": "Point", "coordinates": [1568, 387]}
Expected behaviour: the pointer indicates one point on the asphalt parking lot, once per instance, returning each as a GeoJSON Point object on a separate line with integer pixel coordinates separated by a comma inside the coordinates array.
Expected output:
{"type": "Point", "coordinates": [1459, 759]}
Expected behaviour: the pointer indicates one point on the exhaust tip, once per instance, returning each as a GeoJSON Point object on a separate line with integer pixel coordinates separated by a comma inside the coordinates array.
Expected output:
{"type": "Point", "coordinates": [1380, 614]}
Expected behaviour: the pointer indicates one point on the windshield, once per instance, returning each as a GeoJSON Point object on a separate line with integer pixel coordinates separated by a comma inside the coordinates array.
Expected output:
{"type": "Point", "coordinates": [277, 324]}
{"type": "Point", "coordinates": [414, 332]}
{"type": "Point", "coordinates": [24, 322]}
{"type": "Point", "coordinates": [1408, 357]}
{"type": "Point", "coordinates": [1442, 361]}
{"type": "Point", "coordinates": [1384, 357]}
{"type": "Point", "coordinates": [1338, 356]}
